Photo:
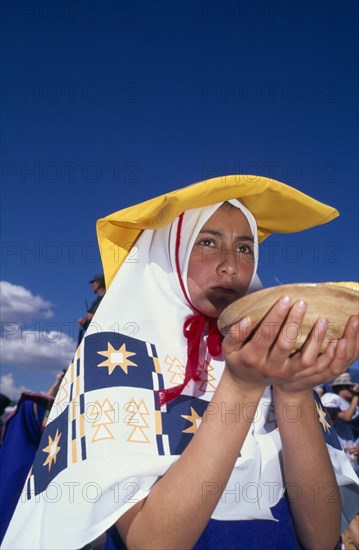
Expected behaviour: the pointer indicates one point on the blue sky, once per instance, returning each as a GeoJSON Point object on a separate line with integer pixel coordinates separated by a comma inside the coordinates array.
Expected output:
{"type": "Point", "coordinates": [106, 104]}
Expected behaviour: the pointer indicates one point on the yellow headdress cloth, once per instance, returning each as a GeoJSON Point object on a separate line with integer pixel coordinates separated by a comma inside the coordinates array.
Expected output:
{"type": "Point", "coordinates": [277, 207]}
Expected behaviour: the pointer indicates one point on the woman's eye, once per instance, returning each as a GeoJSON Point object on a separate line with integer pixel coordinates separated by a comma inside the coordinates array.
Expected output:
{"type": "Point", "coordinates": [206, 242]}
{"type": "Point", "coordinates": [245, 249]}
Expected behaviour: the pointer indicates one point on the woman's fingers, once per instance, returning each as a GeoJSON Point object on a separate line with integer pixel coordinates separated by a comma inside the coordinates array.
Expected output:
{"type": "Point", "coordinates": [287, 338]}
{"type": "Point", "coordinates": [339, 363]}
{"type": "Point", "coordinates": [320, 368]}
{"type": "Point", "coordinates": [314, 342]}
{"type": "Point", "coordinates": [237, 334]}
{"type": "Point", "coordinates": [266, 333]}
{"type": "Point", "coordinates": [270, 348]}
{"type": "Point", "coordinates": [268, 330]}
{"type": "Point", "coordinates": [351, 336]}
{"type": "Point", "coordinates": [340, 354]}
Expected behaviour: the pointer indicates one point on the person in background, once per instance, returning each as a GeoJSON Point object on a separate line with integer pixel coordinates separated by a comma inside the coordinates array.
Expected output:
{"type": "Point", "coordinates": [348, 393]}
{"type": "Point", "coordinates": [99, 288]}
{"type": "Point", "coordinates": [4, 402]}
{"type": "Point", "coordinates": [19, 441]}
{"type": "Point", "coordinates": [332, 403]}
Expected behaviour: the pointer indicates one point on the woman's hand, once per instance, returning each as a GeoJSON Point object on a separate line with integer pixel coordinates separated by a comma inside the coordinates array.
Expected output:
{"type": "Point", "coordinates": [269, 356]}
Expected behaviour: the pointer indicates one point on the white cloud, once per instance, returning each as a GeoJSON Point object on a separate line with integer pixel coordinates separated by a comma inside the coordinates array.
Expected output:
{"type": "Point", "coordinates": [38, 349]}
{"type": "Point", "coordinates": [18, 304]}
{"type": "Point", "coordinates": [8, 387]}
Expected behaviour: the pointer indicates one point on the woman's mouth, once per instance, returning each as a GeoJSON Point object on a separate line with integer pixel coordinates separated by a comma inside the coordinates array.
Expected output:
{"type": "Point", "coordinates": [224, 290]}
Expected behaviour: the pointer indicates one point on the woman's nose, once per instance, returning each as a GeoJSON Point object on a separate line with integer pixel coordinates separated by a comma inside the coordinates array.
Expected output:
{"type": "Point", "coordinates": [229, 263]}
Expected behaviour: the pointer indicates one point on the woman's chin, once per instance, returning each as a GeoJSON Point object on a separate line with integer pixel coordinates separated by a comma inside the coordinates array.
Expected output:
{"type": "Point", "coordinates": [220, 305]}
{"type": "Point", "coordinates": [214, 306]}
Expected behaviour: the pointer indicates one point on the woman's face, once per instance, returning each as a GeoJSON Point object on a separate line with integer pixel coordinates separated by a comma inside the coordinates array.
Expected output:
{"type": "Point", "coordinates": [221, 263]}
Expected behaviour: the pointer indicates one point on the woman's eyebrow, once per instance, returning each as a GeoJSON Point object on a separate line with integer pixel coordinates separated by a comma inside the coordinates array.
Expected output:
{"type": "Point", "coordinates": [219, 234]}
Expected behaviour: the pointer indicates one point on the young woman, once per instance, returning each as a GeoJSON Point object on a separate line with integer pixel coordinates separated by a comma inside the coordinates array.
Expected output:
{"type": "Point", "coordinates": [192, 442]}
